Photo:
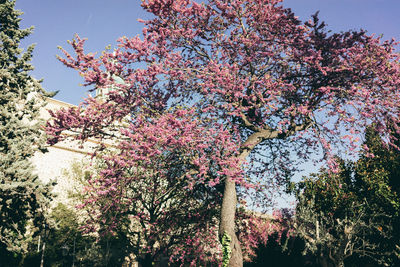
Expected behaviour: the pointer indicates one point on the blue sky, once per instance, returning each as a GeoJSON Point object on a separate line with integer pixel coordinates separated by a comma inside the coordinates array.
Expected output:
{"type": "Point", "coordinates": [103, 22]}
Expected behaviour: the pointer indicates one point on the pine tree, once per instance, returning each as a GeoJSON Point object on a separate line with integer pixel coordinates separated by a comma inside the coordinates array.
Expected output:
{"type": "Point", "coordinates": [22, 195]}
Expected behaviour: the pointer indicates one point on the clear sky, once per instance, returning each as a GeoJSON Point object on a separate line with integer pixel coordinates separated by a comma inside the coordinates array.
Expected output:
{"type": "Point", "coordinates": [103, 22]}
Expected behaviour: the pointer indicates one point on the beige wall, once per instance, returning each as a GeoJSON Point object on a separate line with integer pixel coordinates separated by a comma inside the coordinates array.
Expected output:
{"type": "Point", "coordinates": [53, 164]}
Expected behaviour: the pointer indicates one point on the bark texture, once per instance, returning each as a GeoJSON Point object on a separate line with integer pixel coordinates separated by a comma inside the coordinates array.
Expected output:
{"type": "Point", "coordinates": [228, 209]}
{"type": "Point", "coordinates": [227, 223]}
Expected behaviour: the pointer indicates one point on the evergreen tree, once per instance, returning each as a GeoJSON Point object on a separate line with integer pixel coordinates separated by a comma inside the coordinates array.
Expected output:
{"type": "Point", "coordinates": [354, 214]}
{"type": "Point", "coordinates": [22, 195]}
{"type": "Point", "coordinates": [337, 222]}
{"type": "Point", "coordinates": [378, 170]}
{"type": "Point", "coordinates": [377, 177]}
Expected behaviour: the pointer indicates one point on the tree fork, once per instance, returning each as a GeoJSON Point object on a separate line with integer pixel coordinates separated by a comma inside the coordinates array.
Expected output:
{"type": "Point", "coordinates": [229, 201]}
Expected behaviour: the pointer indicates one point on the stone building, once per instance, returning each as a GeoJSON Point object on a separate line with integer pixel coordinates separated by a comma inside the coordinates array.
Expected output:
{"type": "Point", "coordinates": [53, 164]}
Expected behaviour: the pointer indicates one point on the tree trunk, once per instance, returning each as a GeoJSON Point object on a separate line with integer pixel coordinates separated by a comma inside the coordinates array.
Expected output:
{"type": "Point", "coordinates": [229, 201]}
{"type": "Point", "coordinates": [227, 224]}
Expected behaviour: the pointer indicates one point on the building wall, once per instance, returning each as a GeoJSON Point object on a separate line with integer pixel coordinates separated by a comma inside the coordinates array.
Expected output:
{"type": "Point", "coordinates": [53, 165]}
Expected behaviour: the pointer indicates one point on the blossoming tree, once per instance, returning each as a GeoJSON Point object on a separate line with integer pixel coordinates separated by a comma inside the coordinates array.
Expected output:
{"type": "Point", "coordinates": [159, 188]}
{"type": "Point", "coordinates": [283, 89]}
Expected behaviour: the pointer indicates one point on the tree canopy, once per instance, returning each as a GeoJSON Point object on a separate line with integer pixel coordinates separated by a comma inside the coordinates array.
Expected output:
{"type": "Point", "coordinates": [284, 90]}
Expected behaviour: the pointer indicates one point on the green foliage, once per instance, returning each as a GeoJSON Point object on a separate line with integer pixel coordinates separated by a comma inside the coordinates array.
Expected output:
{"type": "Point", "coordinates": [78, 175]}
{"type": "Point", "coordinates": [67, 244]}
{"type": "Point", "coordinates": [22, 196]}
{"type": "Point", "coordinates": [377, 174]}
{"type": "Point", "coordinates": [68, 229]}
{"type": "Point", "coordinates": [353, 214]}
{"type": "Point", "coordinates": [226, 249]}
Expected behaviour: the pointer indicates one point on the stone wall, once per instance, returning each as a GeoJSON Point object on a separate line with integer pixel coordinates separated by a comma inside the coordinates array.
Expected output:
{"type": "Point", "coordinates": [53, 164]}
